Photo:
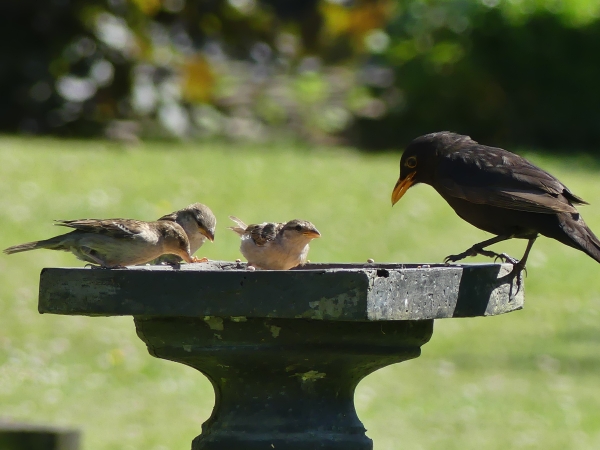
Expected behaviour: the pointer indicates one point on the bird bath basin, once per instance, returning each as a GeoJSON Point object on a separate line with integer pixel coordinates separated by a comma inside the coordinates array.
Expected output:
{"type": "Point", "coordinates": [284, 350]}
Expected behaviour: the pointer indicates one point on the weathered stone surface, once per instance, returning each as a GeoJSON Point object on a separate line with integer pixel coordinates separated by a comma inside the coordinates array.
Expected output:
{"type": "Point", "coordinates": [283, 383]}
{"type": "Point", "coordinates": [347, 292]}
{"type": "Point", "coordinates": [284, 350]}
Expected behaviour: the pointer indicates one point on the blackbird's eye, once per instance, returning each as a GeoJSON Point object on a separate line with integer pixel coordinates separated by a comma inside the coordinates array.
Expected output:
{"type": "Point", "coordinates": [411, 162]}
{"type": "Point", "coordinates": [298, 227]}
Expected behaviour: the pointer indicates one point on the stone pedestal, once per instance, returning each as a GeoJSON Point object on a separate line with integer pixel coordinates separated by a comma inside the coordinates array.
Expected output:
{"type": "Point", "coordinates": [284, 350]}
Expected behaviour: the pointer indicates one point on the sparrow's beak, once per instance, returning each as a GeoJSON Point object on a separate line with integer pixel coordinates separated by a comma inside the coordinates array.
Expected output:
{"type": "Point", "coordinates": [186, 257]}
{"type": "Point", "coordinates": [402, 186]}
{"type": "Point", "coordinates": [313, 234]}
{"type": "Point", "coordinates": [209, 235]}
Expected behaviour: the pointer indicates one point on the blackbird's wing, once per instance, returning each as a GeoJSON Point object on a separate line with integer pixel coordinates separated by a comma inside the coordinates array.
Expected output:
{"type": "Point", "coordinates": [496, 177]}
{"type": "Point", "coordinates": [264, 233]}
{"type": "Point", "coordinates": [118, 228]}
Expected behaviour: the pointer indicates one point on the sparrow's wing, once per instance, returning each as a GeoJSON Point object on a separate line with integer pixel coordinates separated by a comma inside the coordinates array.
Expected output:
{"type": "Point", "coordinates": [241, 228]}
{"type": "Point", "coordinates": [170, 217]}
{"type": "Point", "coordinates": [119, 228]}
{"type": "Point", "coordinates": [265, 232]}
{"type": "Point", "coordinates": [240, 223]}
{"type": "Point", "coordinates": [508, 181]}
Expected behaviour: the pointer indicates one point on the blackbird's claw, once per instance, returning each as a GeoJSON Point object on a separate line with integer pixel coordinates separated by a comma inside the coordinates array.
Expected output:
{"type": "Point", "coordinates": [503, 257]}
{"type": "Point", "coordinates": [463, 255]}
{"type": "Point", "coordinates": [517, 272]}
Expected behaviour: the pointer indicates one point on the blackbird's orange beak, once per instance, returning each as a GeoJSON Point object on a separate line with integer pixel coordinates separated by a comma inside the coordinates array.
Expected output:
{"type": "Point", "coordinates": [402, 186]}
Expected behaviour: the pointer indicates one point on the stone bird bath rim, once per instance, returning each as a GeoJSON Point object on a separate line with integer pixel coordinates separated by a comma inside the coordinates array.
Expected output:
{"type": "Point", "coordinates": [284, 350]}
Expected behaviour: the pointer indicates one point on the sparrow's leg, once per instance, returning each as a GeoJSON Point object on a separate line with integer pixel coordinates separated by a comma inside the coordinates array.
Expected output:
{"type": "Point", "coordinates": [478, 249]}
{"type": "Point", "coordinates": [91, 255]}
{"type": "Point", "coordinates": [88, 254]}
{"type": "Point", "coordinates": [195, 259]}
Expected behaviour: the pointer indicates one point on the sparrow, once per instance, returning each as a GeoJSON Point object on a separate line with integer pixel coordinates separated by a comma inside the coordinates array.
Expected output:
{"type": "Point", "coordinates": [275, 246]}
{"type": "Point", "coordinates": [496, 191]}
{"type": "Point", "coordinates": [198, 222]}
{"type": "Point", "coordinates": [115, 243]}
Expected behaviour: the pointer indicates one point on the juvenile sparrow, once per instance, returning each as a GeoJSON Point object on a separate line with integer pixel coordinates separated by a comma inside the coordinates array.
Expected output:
{"type": "Point", "coordinates": [113, 243]}
{"type": "Point", "coordinates": [275, 246]}
{"type": "Point", "coordinates": [198, 222]}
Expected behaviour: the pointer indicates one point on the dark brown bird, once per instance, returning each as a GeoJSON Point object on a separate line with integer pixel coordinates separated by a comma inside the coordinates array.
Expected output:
{"type": "Point", "coordinates": [496, 191]}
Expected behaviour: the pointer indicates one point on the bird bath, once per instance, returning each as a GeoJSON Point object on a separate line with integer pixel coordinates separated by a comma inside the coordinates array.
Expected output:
{"type": "Point", "coordinates": [284, 350]}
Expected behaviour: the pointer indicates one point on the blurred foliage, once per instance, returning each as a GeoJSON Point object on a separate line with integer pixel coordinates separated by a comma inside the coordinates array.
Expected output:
{"type": "Point", "coordinates": [371, 72]}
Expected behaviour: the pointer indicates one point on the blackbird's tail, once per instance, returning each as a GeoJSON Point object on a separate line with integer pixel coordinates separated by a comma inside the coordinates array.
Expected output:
{"type": "Point", "coordinates": [55, 243]}
{"type": "Point", "coordinates": [579, 236]}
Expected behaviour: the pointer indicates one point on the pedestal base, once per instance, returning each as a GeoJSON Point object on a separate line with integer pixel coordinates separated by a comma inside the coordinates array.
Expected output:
{"type": "Point", "coordinates": [283, 383]}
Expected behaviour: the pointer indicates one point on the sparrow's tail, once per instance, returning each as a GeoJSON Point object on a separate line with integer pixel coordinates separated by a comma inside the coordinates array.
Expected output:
{"type": "Point", "coordinates": [55, 243]}
{"type": "Point", "coordinates": [241, 228]}
{"type": "Point", "coordinates": [579, 235]}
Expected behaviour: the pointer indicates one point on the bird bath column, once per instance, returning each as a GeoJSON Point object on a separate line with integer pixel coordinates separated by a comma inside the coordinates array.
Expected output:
{"type": "Point", "coordinates": [284, 350]}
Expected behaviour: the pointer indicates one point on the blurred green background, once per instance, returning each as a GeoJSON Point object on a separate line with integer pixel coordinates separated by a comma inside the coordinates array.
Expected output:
{"type": "Point", "coordinates": [528, 379]}
{"type": "Point", "coordinates": [273, 110]}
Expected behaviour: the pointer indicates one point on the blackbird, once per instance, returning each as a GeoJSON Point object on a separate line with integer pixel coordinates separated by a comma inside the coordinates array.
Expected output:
{"type": "Point", "coordinates": [496, 191]}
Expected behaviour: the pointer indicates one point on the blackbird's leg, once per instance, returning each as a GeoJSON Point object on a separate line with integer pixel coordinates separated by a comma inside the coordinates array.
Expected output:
{"type": "Point", "coordinates": [478, 249]}
{"type": "Point", "coordinates": [519, 267]}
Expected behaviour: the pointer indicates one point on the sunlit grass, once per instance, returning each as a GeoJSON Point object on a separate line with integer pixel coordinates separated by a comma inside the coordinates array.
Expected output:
{"type": "Point", "coordinates": [524, 380]}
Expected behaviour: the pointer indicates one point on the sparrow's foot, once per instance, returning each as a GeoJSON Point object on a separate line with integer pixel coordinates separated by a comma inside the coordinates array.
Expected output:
{"type": "Point", "coordinates": [94, 266]}
{"type": "Point", "coordinates": [195, 259]}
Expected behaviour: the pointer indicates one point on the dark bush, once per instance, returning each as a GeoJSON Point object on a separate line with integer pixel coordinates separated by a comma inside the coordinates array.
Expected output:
{"type": "Point", "coordinates": [375, 73]}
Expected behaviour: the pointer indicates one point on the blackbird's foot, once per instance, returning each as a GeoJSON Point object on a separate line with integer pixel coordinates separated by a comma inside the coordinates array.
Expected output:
{"type": "Point", "coordinates": [474, 251]}
{"type": "Point", "coordinates": [506, 259]}
{"type": "Point", "coordinates": [195, 259]}
{"type": "Point", "coordinates": [463, 255]}
{"type": "Point", "coordinates": [517, 272]}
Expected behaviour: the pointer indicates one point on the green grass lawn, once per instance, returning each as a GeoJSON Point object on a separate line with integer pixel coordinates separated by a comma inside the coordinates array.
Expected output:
{"type": "Point", "coordinates": [529, 379]}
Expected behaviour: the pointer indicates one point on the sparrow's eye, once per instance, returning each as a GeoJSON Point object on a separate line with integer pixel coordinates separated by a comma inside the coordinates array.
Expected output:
{"type": "Point", "coordinates": [411, 162]}
{"type": "Point", "coordinates": [298, 227]}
